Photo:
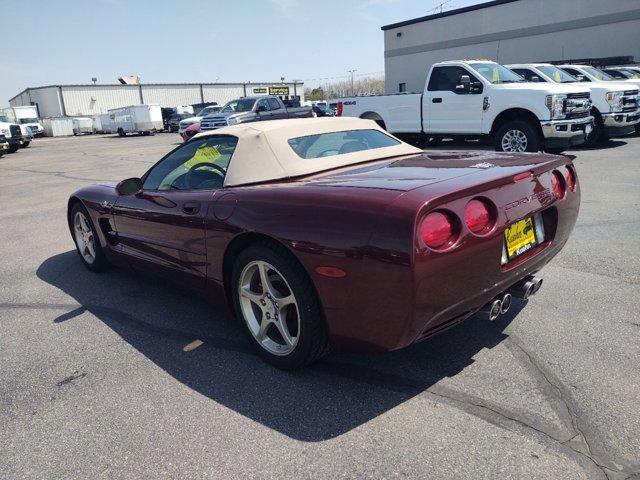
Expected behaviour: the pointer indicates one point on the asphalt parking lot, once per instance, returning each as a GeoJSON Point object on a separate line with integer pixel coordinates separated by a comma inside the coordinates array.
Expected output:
{"type": "Point", "coordinates": [100, 377]}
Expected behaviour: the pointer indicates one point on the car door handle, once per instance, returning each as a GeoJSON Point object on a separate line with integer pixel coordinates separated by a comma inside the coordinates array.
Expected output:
{"type": "Point", "coordinates": [436, 100]}
{"type": "Point", "coordinates": [191, 208]}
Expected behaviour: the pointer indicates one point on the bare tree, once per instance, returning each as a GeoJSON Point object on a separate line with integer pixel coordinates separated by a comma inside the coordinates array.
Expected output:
{"type": "Point", "coordinates": [361, 86]}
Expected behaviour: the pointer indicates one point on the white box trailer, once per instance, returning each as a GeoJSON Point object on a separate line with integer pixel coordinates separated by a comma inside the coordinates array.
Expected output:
{"type": "Point", "coordinates": [82, 125]}
{"type": "Point", "coordinates": [102, 123]}
{"type": "Point", "coordinates": [141, 119]}
{"type": "Point", "coordinates": [57, 126]}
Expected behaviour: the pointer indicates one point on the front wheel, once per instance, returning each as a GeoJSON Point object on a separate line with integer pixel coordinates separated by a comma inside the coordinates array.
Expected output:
{"type": "Point", "coordinates": [25, 144]}
{"type": "Point", "coordinates": [13, 148]}
{"type": "Point", "coordinates": [275, 301]}
{"type": "Point", "coordinates": [596, 133]}
{"type": "Point", "coordinates": [86, 239]}
{"type": "Point", "coordinates": [516, 136]}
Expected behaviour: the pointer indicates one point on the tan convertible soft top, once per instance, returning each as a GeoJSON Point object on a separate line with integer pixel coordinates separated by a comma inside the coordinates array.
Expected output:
{"type": "Point", "coordinates": [263, 152]}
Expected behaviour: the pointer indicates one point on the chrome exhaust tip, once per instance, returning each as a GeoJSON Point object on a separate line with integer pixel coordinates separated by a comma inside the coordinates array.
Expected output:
{"type": "Point", "coordinates": [505, 303]}
{"type": "Point", "coordinates": [492, 309]}
{"type": "Point", "coordinates": [526, 287]}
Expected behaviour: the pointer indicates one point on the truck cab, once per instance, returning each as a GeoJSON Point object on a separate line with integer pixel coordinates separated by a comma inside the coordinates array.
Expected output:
{"type": "Point", "coordinates": [614, 104]}
{"type": "Point", "coordinates": [480, 98]}
{"type": "Point", "coordinates": [12, 133]}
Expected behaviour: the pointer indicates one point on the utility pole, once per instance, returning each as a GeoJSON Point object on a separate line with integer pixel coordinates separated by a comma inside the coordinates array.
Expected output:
{"type": "Point", "coordinates": [352, 72]}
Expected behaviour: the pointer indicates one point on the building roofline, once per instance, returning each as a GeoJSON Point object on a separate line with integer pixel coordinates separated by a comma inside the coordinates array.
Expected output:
{"type": "Point", "coordinates": [457, 11]}
{"type": "Point", "coordinates": [191, 84]}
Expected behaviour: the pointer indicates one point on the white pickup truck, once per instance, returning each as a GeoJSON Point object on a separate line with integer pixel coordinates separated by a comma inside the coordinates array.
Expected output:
{"type": "Point", "coordinates": [614, 108]}
{"type": "Point", "coordinates": [482, 98]}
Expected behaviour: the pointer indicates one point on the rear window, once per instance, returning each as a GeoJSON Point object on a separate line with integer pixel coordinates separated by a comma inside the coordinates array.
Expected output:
{"type": "Point", "coordinates": [339, 143]}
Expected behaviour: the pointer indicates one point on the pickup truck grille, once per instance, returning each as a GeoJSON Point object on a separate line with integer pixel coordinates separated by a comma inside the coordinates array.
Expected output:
{"type": "Point", "coordinates": [15, 131]}
{"type": "Point", "coordinates": [630, 101]}
{"type": "Point", "coordinates": [213, 123]}
{"type": "Point", "coordinates": [577, 105]}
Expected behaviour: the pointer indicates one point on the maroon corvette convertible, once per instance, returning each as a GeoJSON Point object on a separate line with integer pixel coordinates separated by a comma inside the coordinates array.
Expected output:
{"type": "Point", "coordinates": [331, 231]}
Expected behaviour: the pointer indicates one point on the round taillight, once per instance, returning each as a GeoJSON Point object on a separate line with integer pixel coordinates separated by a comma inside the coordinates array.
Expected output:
{"type": "Point", "coordinates": [570, 177]}
{"type": "Point", "coordinates": [478, 217]}
{"type": "Point", "coordinates": [558, 186]}
{"type": "Point", "coordinates": [437, 230]}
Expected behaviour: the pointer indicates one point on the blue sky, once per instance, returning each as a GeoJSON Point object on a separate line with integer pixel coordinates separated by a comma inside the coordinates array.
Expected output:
{"type": "Point", "coordinates": [68, 41]}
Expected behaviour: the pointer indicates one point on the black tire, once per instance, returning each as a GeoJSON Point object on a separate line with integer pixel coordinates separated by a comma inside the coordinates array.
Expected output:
{"type": "Point", "coordinates": [100, 263]}
{"type": "Point", "coordinates": [596, 134]}
{"type": "Point", "coordinates": [25, 145]}
{"type": "Point", "coordinates": [121, 133]}
{"type": "Point", "coordinates": [14, 148]}
{"type": "Point", "coordinates": [532, 137]}
{"type": "Point", "coordinates": [312, 340]}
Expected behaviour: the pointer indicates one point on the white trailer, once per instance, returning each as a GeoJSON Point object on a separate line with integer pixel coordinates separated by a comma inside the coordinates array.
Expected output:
{"type": "Point", "coordinates": [82, 125]}
{"type": "Point", "coordinates": [102, 123]}
{"type": "Point", "coordinates": [58, 126]}
{"type": "Point", "coordinates": [141, 119]}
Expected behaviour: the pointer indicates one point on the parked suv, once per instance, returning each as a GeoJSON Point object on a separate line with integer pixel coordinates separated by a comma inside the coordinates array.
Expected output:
{"type": "Point", "coordinates": [614, 104]}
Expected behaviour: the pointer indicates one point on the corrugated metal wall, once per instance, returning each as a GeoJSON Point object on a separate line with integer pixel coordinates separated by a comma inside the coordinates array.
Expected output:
{"type": "Point", "coordinates": [221, 93]}
{"type": "Point", "coordinates": [171, 95]}
{"type": "Point", "coordinates": [47, 99]}
{"type": "Point", "coordinates": [92, 100]}
{"type": "Point", "coordinates": [87, 100]}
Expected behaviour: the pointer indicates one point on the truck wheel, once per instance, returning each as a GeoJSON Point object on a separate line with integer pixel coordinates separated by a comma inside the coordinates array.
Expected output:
{"type": "Point", "coordinates": [121, 132]}
{"type": "Point", "coordinates": [516, 136]}
{"type": "Point", "coordinates": [14, 148]}
{"type": "Point", "coordinates": [596, 133]}
{"type": "Point", "coordinates": [25, 144]}
{"type": "Point", "coordinates": [274, 299]}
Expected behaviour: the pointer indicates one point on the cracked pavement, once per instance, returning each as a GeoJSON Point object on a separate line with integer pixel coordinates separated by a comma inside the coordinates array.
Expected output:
{"type": "Point", "coordinates": [97, 382]}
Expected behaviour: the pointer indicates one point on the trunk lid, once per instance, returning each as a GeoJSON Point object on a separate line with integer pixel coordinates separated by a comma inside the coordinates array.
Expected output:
{"type": "Point", "coordinates": [415, 171]}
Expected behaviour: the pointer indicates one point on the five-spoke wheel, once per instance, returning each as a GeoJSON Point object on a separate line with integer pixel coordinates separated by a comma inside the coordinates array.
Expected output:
{"type": "Point", "coordinates": [276, 302]}
{"type": "Point", "coordinates": [86, 239]}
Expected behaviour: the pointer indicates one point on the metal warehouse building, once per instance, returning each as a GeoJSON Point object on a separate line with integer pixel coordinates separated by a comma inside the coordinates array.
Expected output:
{"type": "Point", "coordinates": [76, 100]}
{"type": "Point", "coordinates": [512, 31]}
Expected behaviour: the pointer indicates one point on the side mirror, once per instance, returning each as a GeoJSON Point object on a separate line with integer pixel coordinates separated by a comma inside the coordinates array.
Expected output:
{"type": "Point", "coordinates": [129, 186]}
{"type": "Point", "coordinates": [465, 84]}
{"type": "Point", "coordinates": [261, 108]}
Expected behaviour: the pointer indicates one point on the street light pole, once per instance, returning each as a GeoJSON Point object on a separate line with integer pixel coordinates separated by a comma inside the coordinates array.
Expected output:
{"type": "Point", "coordinates": [352, 72]}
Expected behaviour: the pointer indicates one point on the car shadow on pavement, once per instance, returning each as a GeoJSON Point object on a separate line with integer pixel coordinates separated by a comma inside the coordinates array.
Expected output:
{"type": "Point", "coordinates": [323, 401]}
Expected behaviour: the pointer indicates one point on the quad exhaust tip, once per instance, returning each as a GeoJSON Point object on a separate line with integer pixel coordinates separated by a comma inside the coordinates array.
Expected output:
{"type": "Point", "coordinates": [502, 303]}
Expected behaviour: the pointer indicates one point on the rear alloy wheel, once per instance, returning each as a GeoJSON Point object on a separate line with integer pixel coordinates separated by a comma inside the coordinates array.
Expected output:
{"type": "Point", "coordinates": [276, 302]}
{"type": "Point", "coordinates": [516, 136]}
{"type": "Point", "coordinates": [86, 239]}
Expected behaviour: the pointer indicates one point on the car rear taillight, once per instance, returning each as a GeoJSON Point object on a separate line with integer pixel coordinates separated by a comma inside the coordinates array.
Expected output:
{"type": "Point", "coordinates": [478, 216]}
{"type": "Point", "coordinates": [339, 109]}
{"type": "Point", "coordinates": [437, 230]}
{"type": "Point", "coordinates": [558, 186]}
{"type": "Point", "coordinates": [570, 177]}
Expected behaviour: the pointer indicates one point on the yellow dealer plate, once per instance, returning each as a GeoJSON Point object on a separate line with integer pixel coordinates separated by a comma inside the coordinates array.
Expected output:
{"type": "Point", "coordinates": [520, 237]}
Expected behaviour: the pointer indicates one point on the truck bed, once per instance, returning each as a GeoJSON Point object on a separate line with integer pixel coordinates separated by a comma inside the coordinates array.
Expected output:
{"type": "Point", "coordinates": [401, 113]}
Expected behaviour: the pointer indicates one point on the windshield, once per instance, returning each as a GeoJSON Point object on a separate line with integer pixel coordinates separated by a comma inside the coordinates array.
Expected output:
{"type": "Point", "coordinates": [632, 73]}
{"type": "Point", "coordinates": [598, 74]}
{"type": "Point", "coordinates": [208, 111]}
{"type": "Point", "coordinates": [28, 120]}
{"type": "Point", "coordinates": [496, 73]}
{"type": "Point", "coordinates": [4, 119]}
{"type": "Point", "coordinates": [557, 75]}
{"type": "Point", "coordinates": [241, 105]}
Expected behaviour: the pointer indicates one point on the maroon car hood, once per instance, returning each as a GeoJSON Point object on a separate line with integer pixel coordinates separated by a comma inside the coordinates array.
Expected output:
{"type": "Point", "coordinates": [409, 172]}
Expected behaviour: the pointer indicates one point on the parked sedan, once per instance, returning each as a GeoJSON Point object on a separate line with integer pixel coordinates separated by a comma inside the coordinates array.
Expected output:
{"type": "Point", "coordinates": [332, 231]}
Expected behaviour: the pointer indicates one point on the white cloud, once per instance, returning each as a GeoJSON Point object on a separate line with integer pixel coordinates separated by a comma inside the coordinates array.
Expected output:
{"type": "Point", "coordinates": [287, 7]}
